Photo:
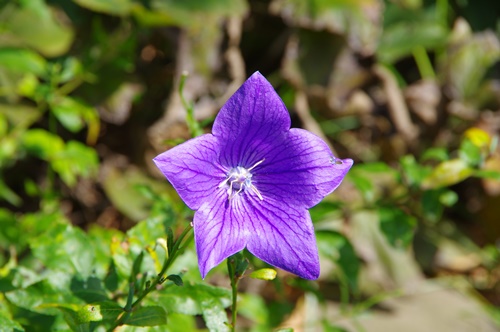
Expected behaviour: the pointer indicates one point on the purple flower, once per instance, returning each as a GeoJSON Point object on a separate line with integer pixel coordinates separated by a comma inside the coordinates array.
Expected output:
{"type": "Point", "coordinates": [252, 180]}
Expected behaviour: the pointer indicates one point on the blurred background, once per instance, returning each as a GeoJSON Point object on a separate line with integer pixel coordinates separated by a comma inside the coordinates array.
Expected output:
{"type": "Point", "coordinates": [409, 89]}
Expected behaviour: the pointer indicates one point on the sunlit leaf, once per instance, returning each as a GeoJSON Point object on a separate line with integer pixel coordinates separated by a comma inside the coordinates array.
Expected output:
{"type": "Point", "coordinates": [9, 324]}
{"type": "Point", "coordinates": [42, 144]}
{"type": "Point", "coordinates": [478, 137]}
{"type": "Point", "coordinates": [447, 173]}
{"type": "Point", "coordinates": [23, 61]}
{"type": "Point", "coordinates": [264, 274]}
{"type": "Point", "coordinates": [36, 25]}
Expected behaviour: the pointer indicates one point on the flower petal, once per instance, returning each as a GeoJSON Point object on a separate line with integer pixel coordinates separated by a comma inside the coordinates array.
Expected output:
{"type": "Point", "coordinates": [282, 235]}
{"type": "Point", "coordinates": [300, 170]}
{"type": "Point", "coordinates": [249, 121]}
{"type": "Point", "coordinates": [219, 231]}
{"type": "Point", "coordinates": [193, 170]}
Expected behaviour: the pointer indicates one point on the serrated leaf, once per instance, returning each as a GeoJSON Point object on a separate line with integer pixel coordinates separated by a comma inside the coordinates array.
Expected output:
{"type": "Point", "coordinates": [397, 226]}
{"type": "Point", "coordinates": [148, 316]}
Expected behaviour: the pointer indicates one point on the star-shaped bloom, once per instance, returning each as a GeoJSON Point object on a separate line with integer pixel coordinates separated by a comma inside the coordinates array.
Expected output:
{"type": "Point", "coordinates": [252, 181]}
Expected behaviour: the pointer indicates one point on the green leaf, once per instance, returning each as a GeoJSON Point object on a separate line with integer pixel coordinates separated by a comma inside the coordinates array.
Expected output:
{"type": "Point", "coordinates": [413, 172]}
{"type": "Point", "coordinates": [90, 313]}
{"type": "Point", "coordinates": [422, 25]}
{"type": "Point", "coordinates": [65, 248]}
{"type": "Point", "coordinates": [146, 232]}
{"type": "Point", "coordinates": [397, 226]}
{"type": "Point", "coordinates": [22, 61]}
{"type": "Point", "coordinates": [20, 116]}
{"type": "Point", "coordinates": [36, 25]}
{"type": "Point", "coordinates": [73, 113]}
{"type": "Point", "coordinates": [357, 21]}
{"type": "Point", "coordinates": [339, 249]}
{"type": "Point", "coordinates": [73, 161]}
{"type": "Point", "coordinates": [488, 174]}
{"type": "Point", "coordinates": [42, 144]}
{"type": "Point", "coordinates": [113, 7]}
{"type": "Point", "coordinates": [148, 316]}
{"type": "Point", "coordinates": [448, 198]}
{"type": "Point", "coordinates": [438, 154]}
{"type": "Point", "coordinates": [99, 311]}
{"type": "Point", "coordinates": [254, 307]}
{"type": "Point", "coordinates": [90, 290]}
{"type": "Point", "coordinates": [176, 279]}
{"type": "Point", "coordinates": [198, 299]}
{"type": "Point", "coordinates": [8, 324]}
{"type": "Point", "coordinates": [363, 184]}
{"type": "Point", "coordinates": [46, 295]}
{"type": "Point", "coordinates": [468, 61]}
{"type": "Point", "coordinates": [470, 153]}
{"type": "Point", "coordinates": [189, 13]}
{"type": "Point", "coordinates": [432, 208]}
{"type": "Point", "coordinates": [447, 173]}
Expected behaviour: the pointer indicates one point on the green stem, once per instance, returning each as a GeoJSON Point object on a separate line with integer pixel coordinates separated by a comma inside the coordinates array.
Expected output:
{"type": "Point", "coordinates": [158, 280]}
{"type": "Point", "coordinates": [423, 63]}
{"type": "Point", "coordinates": [168, 261]}
{"type": "Point", "coordinates": [193, 125]}
{"type": "Point", "coordinates": [234, 305]}
{"type": "Point", "coordinates": [128, 307]}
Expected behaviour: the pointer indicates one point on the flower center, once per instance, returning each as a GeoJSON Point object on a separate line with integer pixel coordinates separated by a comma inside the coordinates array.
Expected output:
{"type": "Point", "coordinates": [239, 178]}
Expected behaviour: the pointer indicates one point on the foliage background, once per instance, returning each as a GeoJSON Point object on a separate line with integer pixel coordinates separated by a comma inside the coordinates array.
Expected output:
{"type": "Point", "coordinates": [410, 89]}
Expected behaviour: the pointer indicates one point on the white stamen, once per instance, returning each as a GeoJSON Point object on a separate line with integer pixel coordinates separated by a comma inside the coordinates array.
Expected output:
{"type": "Point", "coordinates": [239, 179]}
